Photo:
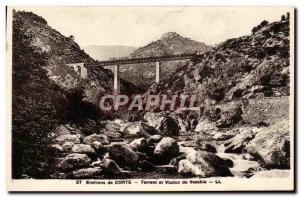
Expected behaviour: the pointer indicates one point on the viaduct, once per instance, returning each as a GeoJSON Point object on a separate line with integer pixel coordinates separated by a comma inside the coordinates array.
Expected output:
{"type": "Point", "coordinates": [126, 61]}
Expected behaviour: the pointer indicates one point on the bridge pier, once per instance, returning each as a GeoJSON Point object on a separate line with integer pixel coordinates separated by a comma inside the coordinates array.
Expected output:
{"type": "Point", "coordinates": [116, 80]}
{"type": "Point", "coordinates": [157, 72]}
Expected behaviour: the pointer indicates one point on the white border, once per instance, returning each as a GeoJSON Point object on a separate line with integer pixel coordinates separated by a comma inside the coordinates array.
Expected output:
{"type": "Point", "coordinates": [3, 81]}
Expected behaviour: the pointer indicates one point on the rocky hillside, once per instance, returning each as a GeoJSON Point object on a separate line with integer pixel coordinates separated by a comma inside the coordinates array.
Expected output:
{"type": "Point", "coordinates": [107, 52]}
{"type": "Point", "coordinates": [63, 50]}
{"type": "Point", "coordinates": [238, 70]}
{"type": "Point", "coordinates": [242, 128]}
{"type": "Point", "coordinates": [170, 43]}
{"type": "Point", "coordinates": [46, 92]}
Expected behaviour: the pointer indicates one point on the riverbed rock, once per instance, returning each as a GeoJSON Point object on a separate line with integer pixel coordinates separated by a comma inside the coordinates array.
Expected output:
{"type": "Point", "coordinates": [124, 155]}
{"type": "Point", "coordinates": [96, 145]}
{"type": "Point", "coordinates": [154, 139]}
{"type": "Point", "coordinates": [87, 173]}
{"type": "Point", "coordinates": [162, 122]}
{"type": "Point", "coordinates": [166, 149]}
{"type": "Point", "coordinates": [84, 149]}
{"type": "Point", "coordinates": [74, 160]}
{"type": "Point", "coordinates": [175, 161]}
{"type": "Point", "coordinates": [237, 143]}
{"type": "Point", "coordinates": [205, 126]}
{"type": "Point", "coordinates": [111, 134]}
{"type": "Point", "coordinates": [138, 144]}
{"type": "Point", "coordinates": [203, 164]}
{"type": "Point", "coordinates": [67, 146]}
{"type": "Point", "coordinates": [221, 136]}
{"type": "Point", "coordinates": [209, 147]}
{"type": "Point", "coordinates": [112, 129]}
{"type": "Point", "coordinates": [271, 146]}
{"type": "Point", "coordinates": [135, 130]}
{"type": "Point", "coordinates": [62, 130]}
{"type": "Point", "coordinates": [149, 129]}
{"type": "Point", "coordinates": [103, 139]}
{"type": "Point", "coordinates": [76, 139]}
{"type": "Point", "coordinates": [111, 169]}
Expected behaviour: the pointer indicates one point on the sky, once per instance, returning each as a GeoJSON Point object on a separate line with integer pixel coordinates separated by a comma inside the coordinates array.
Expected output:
{"type": "Point", "coordinates": [138, 26]}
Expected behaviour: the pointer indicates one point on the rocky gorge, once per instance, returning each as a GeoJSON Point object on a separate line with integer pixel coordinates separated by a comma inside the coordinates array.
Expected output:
{"type": "Point", "coordinates": [242, 127]}
{"type": "Point", "coordinates": [122, 149]}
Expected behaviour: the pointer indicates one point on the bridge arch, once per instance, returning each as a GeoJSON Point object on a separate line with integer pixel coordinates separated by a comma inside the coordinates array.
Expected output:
{"type": "Point", "coordinates": [79, 68]}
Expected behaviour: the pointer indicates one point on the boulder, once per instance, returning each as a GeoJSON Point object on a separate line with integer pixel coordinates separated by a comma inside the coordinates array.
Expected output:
{"type": "Point", "coordinates": [166, 149]}
{"type": "Point", "coordinates": [124, 155]}
{"type": "Point", "coordinates": [119, 121]}
{"type": "Point", "coordinates": [162, 122]}
{"type": "Point", "coordinates": [175, 161]}
{"type": "Point", "coordinates": [271, 146]}
{"type": "Point", "coordinates": [74, 160]}
{"type": "Point", "coordinates": [149, 129]}
{"type": "Point", "coordinates": [259, 88]}
{"type": "Point", "coordinates": [135, 130]}
{"type": "Point", "coordinates": [112, 130]}
{"type": "Point", "coordinates": [62, 130]}
{"type": "Point", "coordinates": [67, 146]}
{"type": "Point", "coordinates": [138, 144]}
{"type": "Point", "coordinates": [76, 139]}
{"type": "Point", "coordinates": [221, 136]}
{"type": "Point", "coordinates": [112, 127]}
{"type": "Point", "coordinates": [205, 126]}
{"type": "Point", "coordinates": [207, 147]}
{"type": "Point", "coordinates": [84, 149]}
{"type": "Point", "coordinates": [237, 143]}
{"type": "Point", "coordinates": [154, 139]}
{"type": "Point", "coordinates": [111, 134]}
{"type": "Point", "coordinates": [203, 164]}
{"type": "Point", "coordinates": [97, 163]}
{"type": "Point", "coordinates": [111, 169]}
{"type": "Point", "coordinates": [87, 173]}
{"type": "Point", "coordinates": [96, 145]}
{"type": "Point", "coordinates": [103, 139]}
{"type": "Point", "coordinates": [249, 157]}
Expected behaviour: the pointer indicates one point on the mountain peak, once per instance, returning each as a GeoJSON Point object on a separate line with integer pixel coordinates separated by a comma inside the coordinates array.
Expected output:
{"type": "Point", "coordinates": [169, 35]}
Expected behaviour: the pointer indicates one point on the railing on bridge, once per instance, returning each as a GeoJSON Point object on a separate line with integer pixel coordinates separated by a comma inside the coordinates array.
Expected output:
{"type": "Point", "coordinates": [123, 61]}
{"type": "Point", "coordinates": [158, 59]}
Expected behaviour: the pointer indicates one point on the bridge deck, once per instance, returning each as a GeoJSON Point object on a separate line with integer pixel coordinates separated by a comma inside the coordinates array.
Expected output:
{"type": "Point", "coordinates": [149, 59]}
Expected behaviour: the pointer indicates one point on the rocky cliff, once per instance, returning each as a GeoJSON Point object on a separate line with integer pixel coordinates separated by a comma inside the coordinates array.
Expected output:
{"type": "Point", "coordinates": [241, 129]}
{"type": "Point", "coordinates": [251, 67]}
{"type": "Point", "coordinates": [63, 50]}
{"type": "Point", "coordinates": [46, 92]}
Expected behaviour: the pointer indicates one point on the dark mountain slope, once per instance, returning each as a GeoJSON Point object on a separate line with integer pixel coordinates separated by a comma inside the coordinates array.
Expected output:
{"type": "Point", "coordinates": [237, 71]}
{"type": "Point", "coordinates": [230, 70]}
{"type": "Point", "coordinates": [47, 93]}
{"type": "Point", "coordinates": [63, 50]}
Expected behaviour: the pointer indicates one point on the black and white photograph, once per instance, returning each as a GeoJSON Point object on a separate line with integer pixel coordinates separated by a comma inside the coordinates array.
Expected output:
{"type": "Point", "coordinates": [151, 98]}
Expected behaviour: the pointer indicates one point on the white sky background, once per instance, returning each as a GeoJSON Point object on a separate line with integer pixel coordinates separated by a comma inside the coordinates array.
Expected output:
{"type": "Point", "coordinates": [137, 26]}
